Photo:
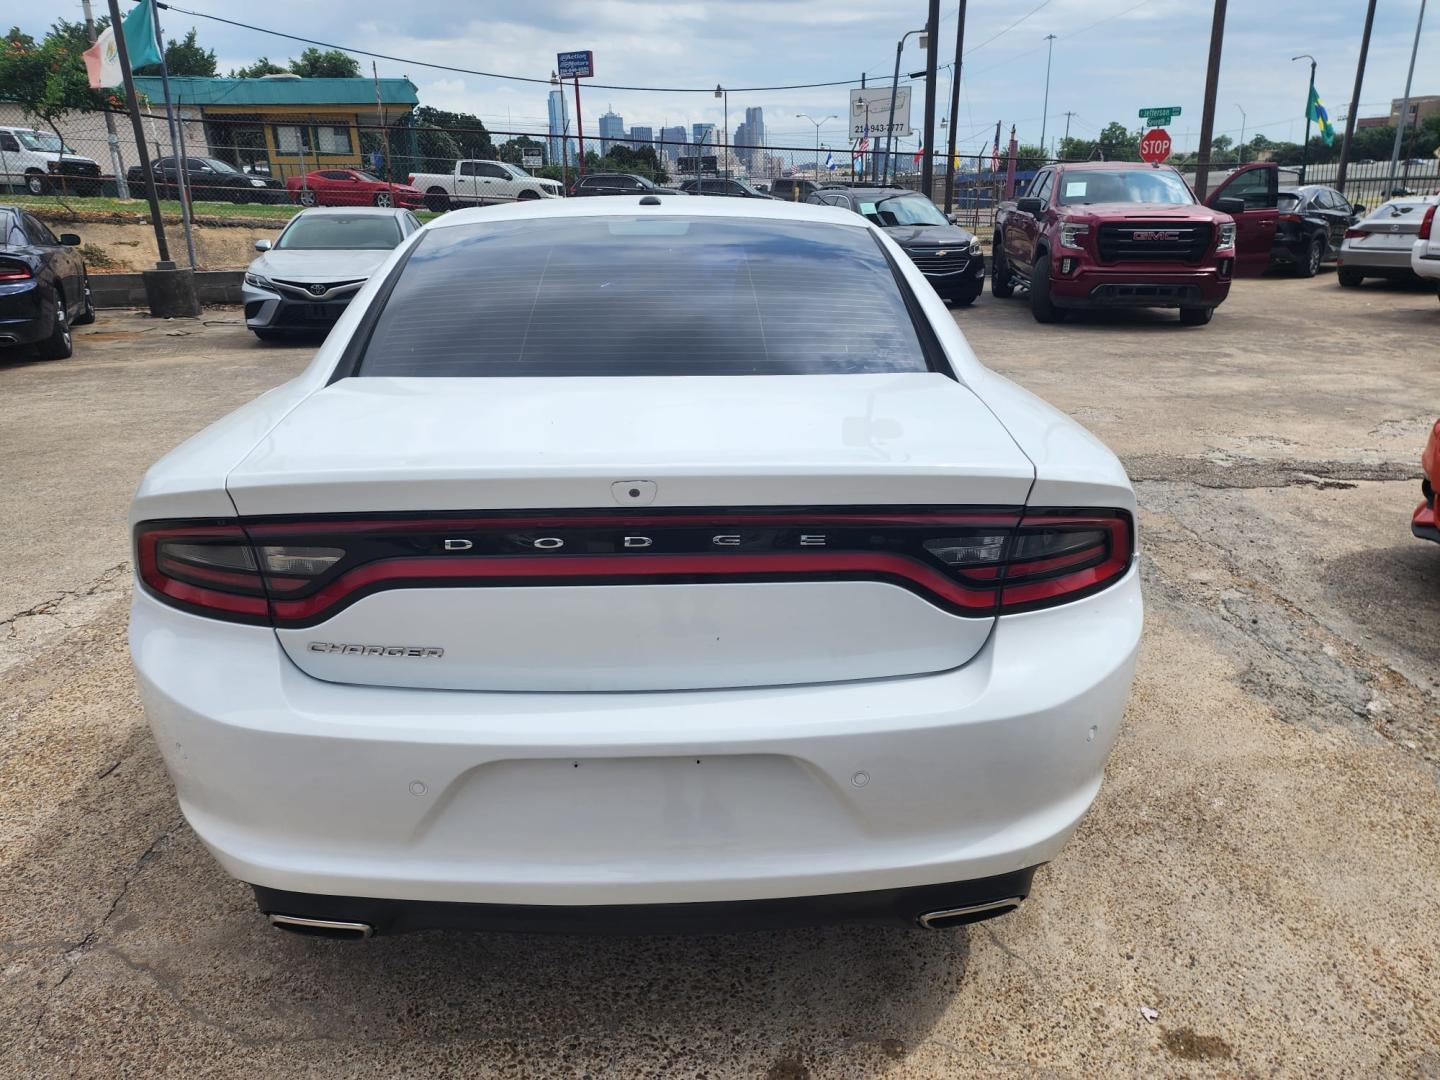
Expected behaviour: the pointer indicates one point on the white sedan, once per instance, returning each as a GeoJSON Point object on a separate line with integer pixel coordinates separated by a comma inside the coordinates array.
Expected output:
{"type": "Point", "coordinates": [1425, 252]}
{"type": "Point", "coordinates": [692, 571]}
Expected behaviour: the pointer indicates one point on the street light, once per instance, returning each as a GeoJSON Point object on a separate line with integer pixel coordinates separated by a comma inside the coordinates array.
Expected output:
{"type": "Point", "coordinates": [1309, 96]}
{"type": "Point", "coordinates": [721, 92]}
{"type": "Point", "coordinates": [817, 123]}
{"type": "Point", "coordinates": [895, 88]}
{"type": "Point", "coordinates": [1240, 151]}
{"type": "Point", "coordinates": [1050, 40]}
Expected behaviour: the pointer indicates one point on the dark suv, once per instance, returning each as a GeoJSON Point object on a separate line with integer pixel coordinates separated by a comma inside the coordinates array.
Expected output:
{"type": "Point", "coordinates": [951, 258]}
{"type": "Point", "coordinates": [1311, 227]}
{"type": "Point", "coordinates": [718, 185]}
{"type": "Point", "coordinates": [793, 190]}
{"type": "Point", "coordinates": [612, 183]}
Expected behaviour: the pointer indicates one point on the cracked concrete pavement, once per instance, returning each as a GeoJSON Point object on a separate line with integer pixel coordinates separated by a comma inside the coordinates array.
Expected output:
{"type": "Point", "coordinates": [1261, 869]}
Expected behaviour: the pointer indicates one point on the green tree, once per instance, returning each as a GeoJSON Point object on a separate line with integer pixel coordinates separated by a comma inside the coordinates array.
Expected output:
{"type": "Point", "coordinates": [183, 58]}
{"type": "Point", "coordinates": [512, 150]}
{"type": "Point", "coordinates": [329, 64]}
{"type": "Point", "coordinates": [465, 130]}
{"type": "Point", "coordinates": [47, 79]}
{"type": "Point", "coordinates": [263, 66]}
{"type": "Point", "coordinates": [1118, 143]}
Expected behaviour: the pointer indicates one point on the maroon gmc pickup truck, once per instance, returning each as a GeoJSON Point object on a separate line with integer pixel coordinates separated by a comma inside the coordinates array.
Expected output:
{"type": "Point", "coordinates": [1126, 234]}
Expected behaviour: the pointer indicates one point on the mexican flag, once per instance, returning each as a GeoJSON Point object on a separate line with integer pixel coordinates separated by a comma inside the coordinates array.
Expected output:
{"type": "Point", "coordinates": [102, 60]}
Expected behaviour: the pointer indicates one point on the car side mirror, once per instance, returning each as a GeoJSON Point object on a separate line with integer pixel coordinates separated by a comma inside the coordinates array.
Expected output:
{"type": "Point", "coordinates": [1358, 209]}
{"type": "Point", "coordinates": [1230, 206]}
{"type": "Point", "coordinates": [69, 239]}
{"type": "Point", "coordinates": [262, 245]}
{"type": "Point", "coordinates": [1029, 206]}
{"type": "Point", "coordinates": [954, 219]}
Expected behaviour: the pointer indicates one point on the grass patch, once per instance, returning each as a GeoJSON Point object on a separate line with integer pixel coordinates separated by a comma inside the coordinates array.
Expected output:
{"type": "Point", "coordinates": [96, 257]}
{"type": "Point", "coordinates": [102, 208]}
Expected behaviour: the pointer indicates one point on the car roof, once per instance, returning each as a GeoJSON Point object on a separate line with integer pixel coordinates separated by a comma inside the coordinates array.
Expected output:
{"type": "Point", "coordinates": [662, 206]}
{"type": "Point", "coordinates": [352, 211]}
{"type": "Point", "coordinates": [1109, 166]}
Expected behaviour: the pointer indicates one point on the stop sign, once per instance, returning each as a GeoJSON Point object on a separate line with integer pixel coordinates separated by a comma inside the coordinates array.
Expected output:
{"type": "Point", "coordinates": [1155, 146]}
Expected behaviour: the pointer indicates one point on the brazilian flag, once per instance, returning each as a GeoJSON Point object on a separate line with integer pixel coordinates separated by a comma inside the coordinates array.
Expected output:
{"type": "Point", "coordinates": [1316, 111]}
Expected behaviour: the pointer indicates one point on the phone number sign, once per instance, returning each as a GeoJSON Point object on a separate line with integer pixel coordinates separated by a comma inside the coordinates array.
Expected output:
{"type": "Point", "coordinates": [575, 65]}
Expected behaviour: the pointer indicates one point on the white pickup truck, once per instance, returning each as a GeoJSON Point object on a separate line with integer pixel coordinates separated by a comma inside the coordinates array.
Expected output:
{"type": "Point", "coordinates": [40, 161]}
{"type": "Point", "coordinates": [478, 183]}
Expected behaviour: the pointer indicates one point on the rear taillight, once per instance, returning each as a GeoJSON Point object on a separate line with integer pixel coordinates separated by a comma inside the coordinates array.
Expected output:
{"type": "Point", "coordinates": [975, 563]}
{"type": "Point", "coordinates": [15, 271]}
{"type": "Point", "coordinates": [1427, 223]}
{"type": "Point", "coordinates": [1293, 218]}
{"type": "Point", "coordinates": [1354, 234]}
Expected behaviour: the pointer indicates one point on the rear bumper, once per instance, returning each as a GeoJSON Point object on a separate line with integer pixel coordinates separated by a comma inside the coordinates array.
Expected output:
{"type": "Point", "coordinates": [583, 800]}
{"type": "Point", "coordinates": [24, 316]}
{"type": "Point", "coordinates": [958, 902]}
{"type": "Point", "coordinates": [1377, 259]}
{"type": "Point", "coordinates": [1100, 287]}
{"type": "Point", "coordinates": [1425, 259]}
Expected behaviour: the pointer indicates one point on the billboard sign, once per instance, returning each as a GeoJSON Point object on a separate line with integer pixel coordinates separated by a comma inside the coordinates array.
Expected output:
{"type": "Point", "coordinates": [871, 108]}
{"type": "Point", "coordinates": [575, 65]}
{"type": "Point", "coordinates": [532, 157]}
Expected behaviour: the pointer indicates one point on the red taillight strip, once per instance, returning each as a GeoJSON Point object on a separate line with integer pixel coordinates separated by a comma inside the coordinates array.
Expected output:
{"type": "Point", "coordinates": [1023, 594]}
{"type": "Point", "coordinates": [396, 573]}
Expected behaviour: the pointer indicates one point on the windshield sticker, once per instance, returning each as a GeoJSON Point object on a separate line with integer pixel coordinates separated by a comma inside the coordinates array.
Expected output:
{"type": "Point", "coordinates": [1075, 189]}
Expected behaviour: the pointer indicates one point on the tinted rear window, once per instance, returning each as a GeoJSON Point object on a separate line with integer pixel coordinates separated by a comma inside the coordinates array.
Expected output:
{"type": "Point", "coordinates": [644, 296]}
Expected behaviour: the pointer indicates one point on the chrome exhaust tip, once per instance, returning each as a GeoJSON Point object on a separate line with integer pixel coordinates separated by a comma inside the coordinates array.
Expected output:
{"type": "Point", "coordinates": [938, 920]}
{"type": "Point", "coordinates": [327, 928]}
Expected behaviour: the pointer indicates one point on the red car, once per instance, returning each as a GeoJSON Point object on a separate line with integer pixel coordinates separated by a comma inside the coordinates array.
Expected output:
{"type": "Point", "coordinates": [1422, 522]}
{"type": "Point", "coordinates": [351, 187]}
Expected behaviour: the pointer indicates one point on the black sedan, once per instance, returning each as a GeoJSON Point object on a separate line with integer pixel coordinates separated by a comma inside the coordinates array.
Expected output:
{"type": "Point", "coordinates": [1311, 227]}
{"type": "Point", "coordinates": [719, 185]}
{"type": "Point", "coordinates": [210, 179]}
{"type": "Point", "coordinates": [617, 184]}
{"type": "Point", "coordinates": [950, 257]}
{"type": "Point", "coordinates": [43, 286]}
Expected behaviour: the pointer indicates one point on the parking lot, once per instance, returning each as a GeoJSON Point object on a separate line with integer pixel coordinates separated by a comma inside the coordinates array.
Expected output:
{"type": "Point", "coordinates": [1254, 893]}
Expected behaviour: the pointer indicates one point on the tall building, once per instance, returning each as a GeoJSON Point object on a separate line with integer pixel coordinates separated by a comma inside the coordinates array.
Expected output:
{"type": "Point", "coordinates": [672, 140]}
{"type": "Point", "coordinates": [612, 131]}
{"type": "Point", "coordinates": [740, 145]}
{"type": "Point", "coordinates": [704, 134]}
{"type": "Point", "coordinates": [641, 137]}
{"type": "Point", "coordinates": [559, 125]}
{"type": "Point", "coordinates": [748, 145]}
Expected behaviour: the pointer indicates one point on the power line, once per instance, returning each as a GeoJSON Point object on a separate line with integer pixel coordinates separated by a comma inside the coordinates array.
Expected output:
{"type": "Point", "coordinates": [499, 75]}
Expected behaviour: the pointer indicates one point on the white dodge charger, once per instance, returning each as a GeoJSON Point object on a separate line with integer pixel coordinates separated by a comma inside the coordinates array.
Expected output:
{"type": "Point", "coordinates": [638, 564]}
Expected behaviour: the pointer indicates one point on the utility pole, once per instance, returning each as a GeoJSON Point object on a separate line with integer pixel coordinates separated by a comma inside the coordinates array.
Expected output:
{"type": "Point", "coordinates": [1207, 114]}
{"type": "Point", "coordinates": [1050, 39]}
{"type": "Point", "coordinates": [1355, 99]}
{"type": "Point", "coordinates": [122, 185]}
{"type": "Point", "coordinates": [1240, 150]}
{"type": "Point", "coordinates": [1405, 102]}
{"type": "Point", "coordinates": [1066, 139]}
{"type": "Point", "coordinates": [927, 162]}
{"type": "Point", "coordinates": [954, 110]}
{"type": "Point", "coordinates": [895, 89]}
{"type": "Point", "coordinates": [1309, 97]}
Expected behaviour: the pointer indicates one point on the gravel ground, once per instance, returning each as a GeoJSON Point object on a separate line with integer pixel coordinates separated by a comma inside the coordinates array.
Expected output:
{"type": "Point", "coordinates": [1261, 869]}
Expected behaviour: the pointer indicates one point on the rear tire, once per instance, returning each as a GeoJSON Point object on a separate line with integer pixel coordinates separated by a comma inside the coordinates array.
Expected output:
{"type": "Point", "coordinates": [437, 202]}
{"type": "Point", "coordinates": [59, 345]}
{"type": "Point", "coordinates": [1001, 287]}
{"type": "Point", "coordinates": [1349, 277]}
{"type": "Point", "coordinates": [35, 183]}
{"type": "Point", "coordinates": [1314, 255]}
{"type": "Point", "coordinates": [1196, 316]}
{"type": "Point", "coordinates": [87, 308]}
{"type": "Point", "coordinates": [1041, 306]}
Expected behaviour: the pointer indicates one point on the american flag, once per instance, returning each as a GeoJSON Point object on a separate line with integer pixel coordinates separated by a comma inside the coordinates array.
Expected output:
{"type": "Point", "coordinates": [864, 143]}
{"type": "Point", "coordinates": [995, 152]}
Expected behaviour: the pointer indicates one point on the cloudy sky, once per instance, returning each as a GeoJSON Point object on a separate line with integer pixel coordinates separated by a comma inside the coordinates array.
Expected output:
{"type": "Point", "coordinates": [1111, 57]}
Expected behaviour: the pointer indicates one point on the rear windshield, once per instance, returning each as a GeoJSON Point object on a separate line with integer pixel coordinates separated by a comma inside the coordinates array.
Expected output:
{"type": "Point", "coordinates": [1399, 210]}
{"type": "Point", "coordinates": [644, 296]}
{"type": "Point", "coordinates": [344, 232]}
